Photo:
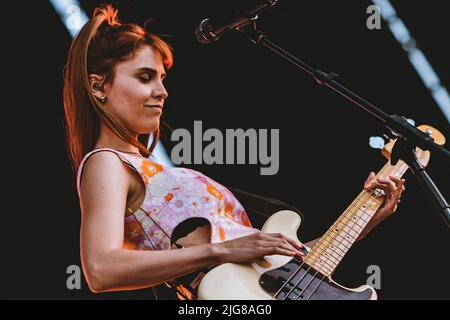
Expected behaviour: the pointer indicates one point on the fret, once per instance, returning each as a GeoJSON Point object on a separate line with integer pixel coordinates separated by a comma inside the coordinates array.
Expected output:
{"type": "Point", "coordinates": [324, 262]}
{"type": "Point", "coordinates": [341, 237]}
{"type": "Point", "coordinates": [351, 225]}
{"type": "Point", "coordinates": [358, 212]}
{"type": "Point", "coordinates": [328, 254]}
{"type": "Point", "coordinates": [321, 267]}
{"type": "Point", "coordinates": [342, 229]}
{"type": "Point", "coordinates": [367, 207]}
{"type": "Point", "coordinates": [337, 240]}
{"type": "Point", "coordinates": [332, 247]}
{"type": "Point", "coordinates": [331, 252]}
{"type": "Point", "coordinates": [323, 253]}
{"type": "Point", "coordinates": [320, 261]}
{"type": "Point", "coordinates": [337, 244]}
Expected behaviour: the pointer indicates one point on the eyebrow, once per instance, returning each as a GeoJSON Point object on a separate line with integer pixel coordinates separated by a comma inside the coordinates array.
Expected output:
{"type": "Point", "coordinates": [150, 71]}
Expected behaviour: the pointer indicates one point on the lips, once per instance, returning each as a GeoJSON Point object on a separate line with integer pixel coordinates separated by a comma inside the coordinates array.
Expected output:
{"type": "Point", "coordinates": [154, 106]}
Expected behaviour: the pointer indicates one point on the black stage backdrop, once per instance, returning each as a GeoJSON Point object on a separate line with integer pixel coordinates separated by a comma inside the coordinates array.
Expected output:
{"type": "Point", "coordinates": [324, 150]}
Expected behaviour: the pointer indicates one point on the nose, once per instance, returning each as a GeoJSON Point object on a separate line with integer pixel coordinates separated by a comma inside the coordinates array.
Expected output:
{"type": "Point", "coordinates": [160, 92]}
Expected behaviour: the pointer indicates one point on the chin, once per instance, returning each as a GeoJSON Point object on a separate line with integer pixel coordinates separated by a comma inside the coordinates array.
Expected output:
{"type": "Point", "coordinates": [148, 130]}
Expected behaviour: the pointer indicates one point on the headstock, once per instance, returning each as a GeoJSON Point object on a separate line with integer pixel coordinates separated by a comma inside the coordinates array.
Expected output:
{"type": "Point", "coordinates": [422, 156]}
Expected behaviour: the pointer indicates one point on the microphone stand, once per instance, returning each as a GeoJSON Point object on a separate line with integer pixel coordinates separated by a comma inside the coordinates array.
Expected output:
{"type": "Point", "coordinates": [408, 136]}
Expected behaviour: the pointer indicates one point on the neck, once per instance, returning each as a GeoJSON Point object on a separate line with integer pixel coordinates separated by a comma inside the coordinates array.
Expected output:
{"type": "Point", "coordinates": [334, 244]}
{"type": "Point", "coordinates": [108, 139]}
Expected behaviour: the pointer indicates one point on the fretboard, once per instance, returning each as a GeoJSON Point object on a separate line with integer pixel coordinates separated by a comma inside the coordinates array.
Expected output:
{"type": "Point", "coordinates": [328, 252]}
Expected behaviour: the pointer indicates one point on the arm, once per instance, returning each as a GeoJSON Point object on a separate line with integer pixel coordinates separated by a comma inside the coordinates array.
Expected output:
{"type": "Point", "coordinates": [106, 265]}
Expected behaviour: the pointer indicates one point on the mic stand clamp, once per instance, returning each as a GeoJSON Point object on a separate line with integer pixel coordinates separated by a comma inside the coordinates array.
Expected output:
{"type": "Point", "coordinates": [404, 150]}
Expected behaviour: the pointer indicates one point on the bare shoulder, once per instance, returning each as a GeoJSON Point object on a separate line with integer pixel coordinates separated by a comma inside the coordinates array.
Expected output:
{"type": "Point", "coordinates": [104, 174]}
{"type": "Point", "coordinates": [103, 197]}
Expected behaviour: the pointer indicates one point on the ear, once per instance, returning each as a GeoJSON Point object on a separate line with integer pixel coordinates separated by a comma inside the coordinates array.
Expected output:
{"type": "Point", "coordinates": [96, 85]}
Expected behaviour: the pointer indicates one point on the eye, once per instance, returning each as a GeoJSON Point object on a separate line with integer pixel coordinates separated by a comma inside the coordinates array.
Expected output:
{"type": "Point", "coordinates": [144, 78]}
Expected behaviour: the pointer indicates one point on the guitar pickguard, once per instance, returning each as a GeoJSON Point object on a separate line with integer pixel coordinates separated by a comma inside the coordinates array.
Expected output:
{"type": "Point", "coordinates": [297, 281]}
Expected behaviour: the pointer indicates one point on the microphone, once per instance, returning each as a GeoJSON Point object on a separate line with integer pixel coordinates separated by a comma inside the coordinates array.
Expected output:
{"type": "Point", "coordinates": [210, 31]}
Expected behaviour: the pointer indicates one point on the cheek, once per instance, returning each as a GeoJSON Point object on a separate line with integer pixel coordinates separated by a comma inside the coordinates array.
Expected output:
{"type": "Point", "coordinates": [128, 99]}
{"type": "Point", "coordinates": [132, 93]}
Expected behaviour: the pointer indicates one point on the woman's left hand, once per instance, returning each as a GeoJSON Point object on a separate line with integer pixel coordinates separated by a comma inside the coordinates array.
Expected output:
{"type": "Point", "coordinates": [393, 188]}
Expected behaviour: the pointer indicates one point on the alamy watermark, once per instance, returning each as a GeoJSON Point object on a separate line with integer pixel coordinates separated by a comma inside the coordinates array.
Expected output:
{"type": "Point", "coordinates": [374, 279]}
{"type": "Point", "coordinates": [374, 20]}
{"type": "Point", "coordinates": [252, 144]}
{"type": "Point", "coordinates": [74, 279]}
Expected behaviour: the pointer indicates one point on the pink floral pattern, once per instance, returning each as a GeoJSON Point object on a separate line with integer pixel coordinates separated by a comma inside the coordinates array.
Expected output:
{"type": "Point", "coordinates": [174, 194]}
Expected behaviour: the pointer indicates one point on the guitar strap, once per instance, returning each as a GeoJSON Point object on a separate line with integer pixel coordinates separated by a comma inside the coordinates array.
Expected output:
{"type": "Point", "coordinates": [261, 205]}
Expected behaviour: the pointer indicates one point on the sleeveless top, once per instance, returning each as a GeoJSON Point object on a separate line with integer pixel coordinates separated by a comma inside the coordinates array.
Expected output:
{"type": "Point", "coordinates": [173, 195]}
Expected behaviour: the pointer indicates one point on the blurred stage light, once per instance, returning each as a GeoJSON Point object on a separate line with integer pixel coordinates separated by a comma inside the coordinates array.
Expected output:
{"type": "Point", "coordinates": [73, 17]}
{"type": "Point", "coordinates": [71, 14]}
{"type": "Point", "coordinates": [415, 56]}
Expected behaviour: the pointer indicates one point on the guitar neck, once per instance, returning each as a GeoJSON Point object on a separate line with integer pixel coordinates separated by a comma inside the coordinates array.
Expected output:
{"type": "Point", "coordinates": [328, 252]}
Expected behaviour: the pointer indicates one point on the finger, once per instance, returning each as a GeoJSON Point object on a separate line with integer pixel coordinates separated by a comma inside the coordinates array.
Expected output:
{"type": "Point", "coordinates": [378, 182]}
{"type": "Point", "coordinates": [377, 185]}
{"type": "Point", "coordinates": [398, 181]}
{"type": "Point", "coordinates": [369, 179]}
{"type": "Point", "coordinates": [392, 188]}
{"type": "Point", "coordinates": [287, 243]}
{"type": "Point", "coordinates": [400, 187]}
{"type": "Point", "coordinates": [270, 245]}
{"type": "Point", "coordinates": [395, 191]}
{"type": "Point", "coordinates": [395, 179]}
{"type": "Point", "coordinates": [269, 248]}
{"type": "Point", "coordinates": [284, 244]}
{"type": "Point", "coordinates": [389, 186]}
{"type": "Point", "coordinates": [283, 252]}
{"type": "Point", "coordinates": [289, 240]}
{"type": "Point", "coordinates": [395, 207]}
{"type": "Point", "coordinates": [383, 180]}
{"type": "Point", "coordinates": [289, 247]}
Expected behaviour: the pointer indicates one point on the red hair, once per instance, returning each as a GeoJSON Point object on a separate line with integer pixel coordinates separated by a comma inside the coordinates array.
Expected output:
{"type": "Point", "coordinates": [102, 43]}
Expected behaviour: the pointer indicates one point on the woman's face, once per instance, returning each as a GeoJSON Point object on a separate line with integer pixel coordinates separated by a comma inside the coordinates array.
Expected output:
{"type": "Point", "coordinates": [137, 94]}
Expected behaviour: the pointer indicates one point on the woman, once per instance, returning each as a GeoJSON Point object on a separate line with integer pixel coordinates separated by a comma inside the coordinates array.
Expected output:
{"type": "Point", "coordinates": [114, 97]}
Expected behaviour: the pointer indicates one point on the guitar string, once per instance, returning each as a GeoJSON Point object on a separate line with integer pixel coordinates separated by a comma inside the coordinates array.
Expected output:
{"type": "Point", "coordinates": [366, 195]}
{"type": "Point", "coordinates": [398, 168]}
{"type": "Point", "coordinates": [323, 276]}
{"type": "Point", "coordinates": [335, 236]}
{"type": "Point", "coordinates": [344, 220]}
{"type": "Point", "coordinates": [309, 267]}
{"type": "Point", "coordinates": [313, 277]}
{"type": "Point", "coordinates": [317, 287]}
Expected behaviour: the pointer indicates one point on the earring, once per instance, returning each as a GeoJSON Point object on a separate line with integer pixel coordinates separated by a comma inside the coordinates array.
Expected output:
{"type": "Point", "coordinates": [102, 99]}
{"type": "Point", "coordinates": [97, 86]}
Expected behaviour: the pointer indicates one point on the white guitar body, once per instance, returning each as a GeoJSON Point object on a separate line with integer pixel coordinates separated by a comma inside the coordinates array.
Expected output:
{"type": "Point", "coordinates": [232, 281]}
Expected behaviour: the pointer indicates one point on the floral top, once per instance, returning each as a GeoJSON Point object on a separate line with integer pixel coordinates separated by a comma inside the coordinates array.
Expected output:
{"type": "Point", "coordinates": [173, 195]}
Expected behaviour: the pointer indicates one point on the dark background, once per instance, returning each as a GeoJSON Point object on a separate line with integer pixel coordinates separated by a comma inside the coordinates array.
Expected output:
{"type": "Point", "coordinates": [324, 151]}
